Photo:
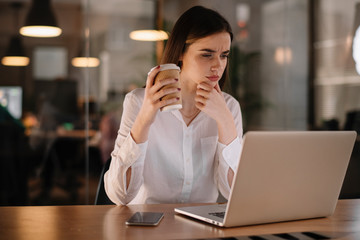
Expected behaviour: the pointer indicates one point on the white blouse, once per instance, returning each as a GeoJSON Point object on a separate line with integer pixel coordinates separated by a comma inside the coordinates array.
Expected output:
{"type": "Point", "coordinates": [178, 163]}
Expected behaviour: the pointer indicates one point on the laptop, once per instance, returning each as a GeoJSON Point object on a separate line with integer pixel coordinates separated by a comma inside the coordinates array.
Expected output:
{"type": "Point", "coordinates": [283, 176]}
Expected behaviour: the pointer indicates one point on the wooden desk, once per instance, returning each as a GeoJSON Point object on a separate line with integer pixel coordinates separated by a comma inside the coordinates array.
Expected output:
{"type": "Point", "coordinates": [108, 222]}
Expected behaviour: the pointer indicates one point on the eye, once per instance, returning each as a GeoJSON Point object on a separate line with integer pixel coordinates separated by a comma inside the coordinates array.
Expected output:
{"type": "Point", "coordinates": [225, 55]}
{"type": "Point", "coordinates": [207, 55]}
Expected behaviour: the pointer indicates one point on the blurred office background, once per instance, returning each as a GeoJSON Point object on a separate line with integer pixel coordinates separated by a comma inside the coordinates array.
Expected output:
{"type": "Point", "coordinates": [293, 67]}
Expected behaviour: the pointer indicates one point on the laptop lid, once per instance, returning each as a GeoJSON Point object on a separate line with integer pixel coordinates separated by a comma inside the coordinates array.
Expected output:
{"type": "Point", "coordinates": [286, 176]}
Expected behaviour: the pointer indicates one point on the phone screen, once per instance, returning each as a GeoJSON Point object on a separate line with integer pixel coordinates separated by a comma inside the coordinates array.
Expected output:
{"type": "Point", "coordinates": [145, 218]}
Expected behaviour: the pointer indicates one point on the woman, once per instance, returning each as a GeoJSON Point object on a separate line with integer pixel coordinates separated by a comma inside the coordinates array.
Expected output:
{"type": "Point", "coordinates": [186, 155]}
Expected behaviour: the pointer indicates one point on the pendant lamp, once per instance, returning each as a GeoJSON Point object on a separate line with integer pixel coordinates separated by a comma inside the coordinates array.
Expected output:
{"type": "Point", "coordinates": [152, 34]}
{"type": "Point", "coordinates": [15, 54]}
{"type": "Point", "coordinates": [40, 21]}
{"type": "Point", "coordinates": [148, 35]}
{"type": "Point", "coordinates": [83, 60]}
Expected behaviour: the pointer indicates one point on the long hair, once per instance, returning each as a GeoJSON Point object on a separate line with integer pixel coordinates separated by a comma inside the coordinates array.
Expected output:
{"type": "Point", "coordinates": [196, 23]}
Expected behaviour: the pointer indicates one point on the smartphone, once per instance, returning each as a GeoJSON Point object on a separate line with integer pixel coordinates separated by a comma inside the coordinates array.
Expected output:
{"type": "Point", "coordinates": [145, 219]}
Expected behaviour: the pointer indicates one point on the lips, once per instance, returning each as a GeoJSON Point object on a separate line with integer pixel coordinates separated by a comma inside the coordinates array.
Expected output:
{"type": "Point", "coordinates": [213, 78]}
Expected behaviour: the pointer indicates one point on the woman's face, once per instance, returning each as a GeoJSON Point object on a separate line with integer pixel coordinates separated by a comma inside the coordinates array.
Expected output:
{"type": "Point", "coordinates": [205, 60]}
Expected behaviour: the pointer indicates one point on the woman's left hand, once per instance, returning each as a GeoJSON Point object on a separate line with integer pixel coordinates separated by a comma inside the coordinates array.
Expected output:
{"type": "Point", "coordinates": [211, 101]}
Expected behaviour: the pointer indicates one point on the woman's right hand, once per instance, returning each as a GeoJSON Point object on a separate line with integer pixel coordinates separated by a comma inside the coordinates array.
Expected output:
{"type": "Point", "coordinates": [154, 91]}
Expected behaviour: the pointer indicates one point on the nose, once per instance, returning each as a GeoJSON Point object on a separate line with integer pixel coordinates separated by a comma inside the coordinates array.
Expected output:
{"type": "Point", "coordinates": [216, 64]}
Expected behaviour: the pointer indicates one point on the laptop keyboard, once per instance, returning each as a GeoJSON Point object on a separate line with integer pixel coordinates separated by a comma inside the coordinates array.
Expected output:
{"type": "Point", "coordinates": [218, 214]}
{"type": "Point", "coordinates": [284, 236]}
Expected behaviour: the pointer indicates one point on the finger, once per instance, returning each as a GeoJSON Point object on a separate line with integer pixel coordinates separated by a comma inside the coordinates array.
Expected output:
{"type": "Point", "coordinates": [200, 99]}
{"type": "Point", "coordinates": [166, 91]}
{"type": "Point", "coordinates": [204, 86]}
{"type": "Point", "coordinates": [168, 101]}
{"type": "Point", "coordinates": [159, 84]}
{"type": "Point", "coordinates": [217, 87]}
{"type": "Point", "coordinates": [152, 69]}
{"type": "Point", "coordinates": [200, 105]}
{"type": "Point", "coordinates": [151, 75]}
{"type": "Point", "coordinates": [203, 93]}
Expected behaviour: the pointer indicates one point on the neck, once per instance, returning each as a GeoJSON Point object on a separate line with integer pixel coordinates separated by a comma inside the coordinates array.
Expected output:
{"type": "Point", "coordinates": [189, 111]}
{"type": "Point", "coordinates": [188, 93]}
{"type": "Point", "coordinates": [188, 101]}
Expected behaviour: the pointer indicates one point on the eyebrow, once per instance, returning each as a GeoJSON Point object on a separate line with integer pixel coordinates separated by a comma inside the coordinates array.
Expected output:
{"type": "Point", "coordinates": [212, 51]}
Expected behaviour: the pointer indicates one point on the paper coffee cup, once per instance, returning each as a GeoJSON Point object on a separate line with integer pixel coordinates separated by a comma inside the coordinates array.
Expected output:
{"type": "Point", "coordinates": [170, 70]}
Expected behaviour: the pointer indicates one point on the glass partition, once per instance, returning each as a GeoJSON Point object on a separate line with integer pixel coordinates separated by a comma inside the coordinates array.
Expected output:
{"type": "Point", "coordinates": [61, 110]}
{"type": "Point", "coordinates": [337, 83]}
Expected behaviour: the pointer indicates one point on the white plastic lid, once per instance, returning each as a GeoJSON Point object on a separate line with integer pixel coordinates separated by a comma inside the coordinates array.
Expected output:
{"type": "Point", "coordinates": [171, 107]}
{"type": "Point", "coordinates": [168, 66]}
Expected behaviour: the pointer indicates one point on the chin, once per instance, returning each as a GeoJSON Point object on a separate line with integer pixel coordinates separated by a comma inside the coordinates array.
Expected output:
{"type": "Point", "coordinates": [212, 83]}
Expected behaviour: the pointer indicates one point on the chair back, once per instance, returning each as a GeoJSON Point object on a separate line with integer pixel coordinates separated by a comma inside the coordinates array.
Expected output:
{"type": "Point", "coordinates": [101, 196]}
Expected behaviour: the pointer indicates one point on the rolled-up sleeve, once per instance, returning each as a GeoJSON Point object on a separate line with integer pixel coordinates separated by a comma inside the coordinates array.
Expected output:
{"type": "Point", "coordinates": [127, 153]}
{"type": "Point", "coordinates": [230, 153]}
{"type": "Point", "coordinates": [228, 156]}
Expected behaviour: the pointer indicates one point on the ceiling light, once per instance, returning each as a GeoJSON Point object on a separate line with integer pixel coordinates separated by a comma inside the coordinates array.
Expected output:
{"type": "Point", "coordinates": [85, 58]}
{"type": "Point", "coordinates": [149, 35]}
{"type": "Point", "coordinates": [15, 54]}
{"type": "Point", "coordinates": [40, 21]}
{"type": "Point", "coordinates": [85, 62]}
